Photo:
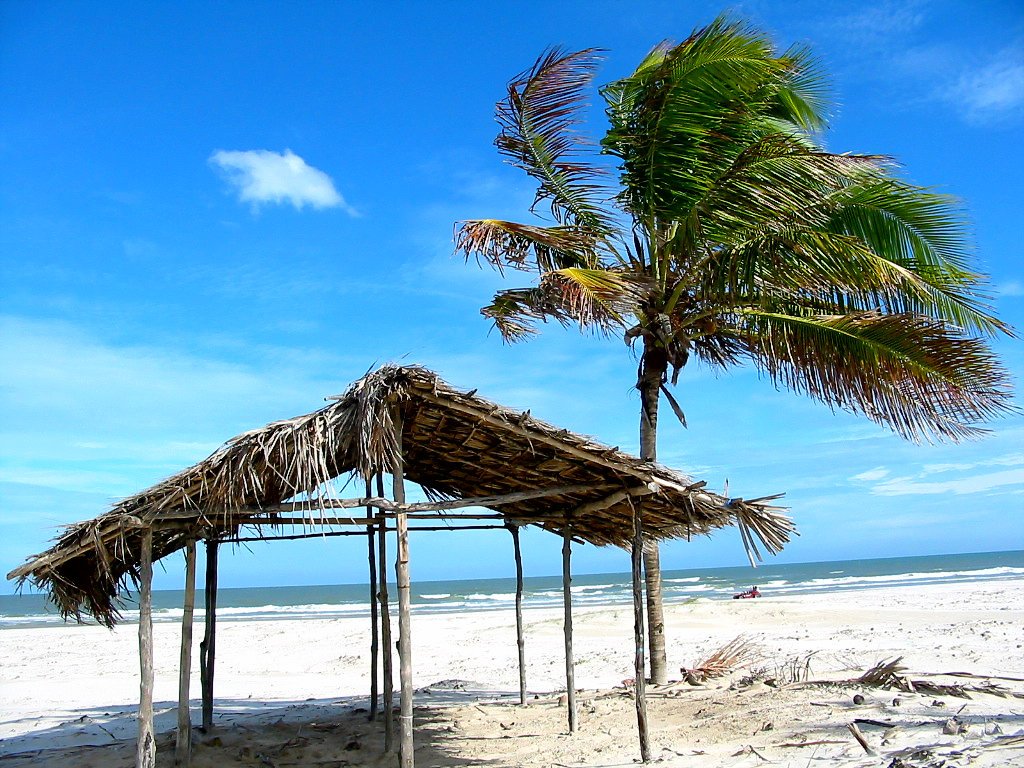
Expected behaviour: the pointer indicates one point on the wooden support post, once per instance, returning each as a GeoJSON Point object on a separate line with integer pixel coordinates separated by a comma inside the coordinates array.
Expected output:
{"type": "Point", "coordinates": [640, 687]}
{"type": "Point", "coordinates": [520, 642]}
{"type": "Point", "coordinates": [145, 756]}
{"type": "Point", "coordinates": [570, 682]}
{"type": "Point", "coordinates": [385, 628]}
{"type": "Point", "coordinates": [183, 742]}
{"type": "Point", "coordinates": [374, 637]}
{"type": "Point", "coordinates": [405, 754]}
{"type": "Point", "coordinates": [208, 647]}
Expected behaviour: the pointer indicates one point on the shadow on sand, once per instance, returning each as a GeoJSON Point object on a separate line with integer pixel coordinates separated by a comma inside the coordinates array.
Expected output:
{"type": "Point", "coordinates": [316, 732]}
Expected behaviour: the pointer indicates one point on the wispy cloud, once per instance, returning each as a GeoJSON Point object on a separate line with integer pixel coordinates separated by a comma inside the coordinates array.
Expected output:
{"type": "Point", "coordinates": [1012, 288]}
{"type": "Point", "coordinates": [872, 24]}
{"type": "Point", "coordinates": [871, 475]}
{"type": "Point", "coordinates": [261, 176]}
{"type": "Point", "coordinates": [995, 90]}
{"type": "Point", "coordinates": [904, 486]}
{"type": "Point", "coordinates": [1007, 460]}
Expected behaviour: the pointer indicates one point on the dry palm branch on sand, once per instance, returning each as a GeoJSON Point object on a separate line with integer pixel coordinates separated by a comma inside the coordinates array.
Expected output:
{"type": "Point", "coordinates": [890, 675]}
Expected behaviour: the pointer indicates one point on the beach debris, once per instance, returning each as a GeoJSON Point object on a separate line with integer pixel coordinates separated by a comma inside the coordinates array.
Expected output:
{"type": "Point", "coordinates": [852, 727]}
{"type": "Point", "coordinates": [749, 750]}
{"type": "Point", "coordinates": [889, 674]}
{"type": "Point", "coordinates": [738, 652]}
{"type": "Point", "coordinates": [954, 727]}
{"type": "Point", "coordinates": [816, 743]}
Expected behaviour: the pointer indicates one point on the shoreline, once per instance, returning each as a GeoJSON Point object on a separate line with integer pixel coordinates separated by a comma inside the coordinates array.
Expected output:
{"type": "Point", "coordinates": [595, 589]}
{"type": "Point", "coordinates": [52, 679]}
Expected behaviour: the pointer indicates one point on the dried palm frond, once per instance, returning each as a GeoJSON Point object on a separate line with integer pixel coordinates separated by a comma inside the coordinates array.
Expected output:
{"type": "Point", "coordinates": [738, 652]}
{"type": "Point", "coordinates": [889, 674]}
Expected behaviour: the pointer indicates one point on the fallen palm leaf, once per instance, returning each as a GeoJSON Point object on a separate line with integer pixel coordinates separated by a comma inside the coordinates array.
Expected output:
{"type": "Point", "coordinates": [736, 653]}
{"type": "Point", "coordinates": [889, 674]}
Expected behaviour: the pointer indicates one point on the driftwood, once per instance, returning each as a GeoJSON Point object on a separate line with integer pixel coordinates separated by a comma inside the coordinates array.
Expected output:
{"type": "Point", "coordinates": [371, 545]}
{"type": "Point", "coordinates": [406, 758]}
{"type": "Point", "coordinates": [183, 740]}
{"type": "Point", "coordinates": [570, 683]}
{"type": "Point", "coordinates": [145, 756]}
{"type": "Point", "coordinates": [860, 738]}
{"type": "Point", "coordinates": [385, 631]}
{"type": "Point", "coordinates": [520, 641]}
{"type": "Point", "coordinates": [208, 646]}
{"type": "Point", "coordinates": [639, 663]}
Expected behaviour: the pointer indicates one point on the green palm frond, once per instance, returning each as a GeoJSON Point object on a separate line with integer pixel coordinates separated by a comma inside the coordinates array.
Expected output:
{"type": "Point", "coordinates": [681, 118]}
{"type": "Point", "coordinates": [922, 233]}
{"type": "Point", "coordinates": [916, 375]}
{"type": "Point", "coordinates": [538, 120]}
{"type": "Point", "coordinates": [803, 96]}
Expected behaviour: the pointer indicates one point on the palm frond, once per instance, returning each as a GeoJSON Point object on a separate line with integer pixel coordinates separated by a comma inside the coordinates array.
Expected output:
{"type": "Point", "coordinates": [526, 247]}
{"type": "Point", "coordinates": [595, 299]}
{"type": "Point", "coordinates": [804, 96]}
{"type": "Point", "coordinates": [538, 120]}
{"type": "Point", "coordinates": [911, 373]}
{"type": "Point", "coordinates": [679, 120]}
{"type": "Point", "coordinates": [922, 233]}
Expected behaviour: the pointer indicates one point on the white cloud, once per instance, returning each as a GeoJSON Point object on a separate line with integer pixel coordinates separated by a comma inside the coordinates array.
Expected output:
{"type": "Point", "coordinates": [871, 475]}
{"type": "Point", "coordinates": [993, 91]}
{"type": "Point", "coordinates": [906, 486]}
{"type": "Point", "coordinates": [1011, 288]}
{"type": "Point", "coordinates": [261, 176]}
{"type": "Point", "coordinates": [1008, 460]}
{"type": "Point", "coordinates": [880, 22]}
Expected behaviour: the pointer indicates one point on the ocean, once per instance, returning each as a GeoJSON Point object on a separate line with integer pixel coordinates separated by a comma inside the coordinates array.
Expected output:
{"type": "Point", "coordinates": [457, 595]}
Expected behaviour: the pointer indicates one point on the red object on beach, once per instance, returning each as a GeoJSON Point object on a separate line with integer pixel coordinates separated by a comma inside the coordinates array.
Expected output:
{"type": "Point", "coordinates": [753, 592]}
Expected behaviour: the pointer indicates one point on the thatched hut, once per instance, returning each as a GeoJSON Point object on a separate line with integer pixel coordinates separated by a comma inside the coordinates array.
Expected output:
{"type": "Point", "coordinates": [464, 451]}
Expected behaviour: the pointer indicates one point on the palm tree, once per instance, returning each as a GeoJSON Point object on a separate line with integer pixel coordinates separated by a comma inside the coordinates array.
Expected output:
{"type": "Point", "coordinates": [733, 237]}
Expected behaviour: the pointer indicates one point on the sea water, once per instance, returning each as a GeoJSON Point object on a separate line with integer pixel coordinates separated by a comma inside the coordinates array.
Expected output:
{"type": "Point", "coordinates": [458, 595]}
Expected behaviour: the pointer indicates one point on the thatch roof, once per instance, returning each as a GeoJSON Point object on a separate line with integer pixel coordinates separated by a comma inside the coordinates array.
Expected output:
{"type": "Point", "coordinates": [454, 444]}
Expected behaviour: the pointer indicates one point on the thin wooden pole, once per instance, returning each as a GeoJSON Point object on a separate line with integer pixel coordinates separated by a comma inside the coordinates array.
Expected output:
{"type": "Point", "coordinates": [570, 682]}
{"type": "Point", "coordinates": [640, 687]}
{"type": "Point", "coordinates": [406, 758]}
{"type": "Point", "coordinates": [385, 628]}
{"type": "Point", "coordinates": [208, 647]}
{"type": "Point", "coordinates": [145, 756]}
{"type": "Point", "coordinates": [520, 642]}
{"type": "Point", "coordinates": [374, 635]}
{"type": "Point", "coordinates": [183, 742]}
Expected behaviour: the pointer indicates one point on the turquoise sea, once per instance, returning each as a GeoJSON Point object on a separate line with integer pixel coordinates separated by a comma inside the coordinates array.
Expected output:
{"type": "Point", "coordinates": [327, 601]}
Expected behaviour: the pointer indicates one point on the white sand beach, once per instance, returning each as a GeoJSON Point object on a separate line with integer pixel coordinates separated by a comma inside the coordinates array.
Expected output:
{"type": "Point", "coordinates": [293, 692]}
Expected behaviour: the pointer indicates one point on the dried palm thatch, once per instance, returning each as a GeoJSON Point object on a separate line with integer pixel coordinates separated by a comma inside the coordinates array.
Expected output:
{"type": "Point", "coordinates": [454, 444]}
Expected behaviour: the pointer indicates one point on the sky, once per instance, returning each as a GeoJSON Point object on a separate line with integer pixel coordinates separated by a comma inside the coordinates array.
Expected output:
{"type": "Point", "coordinates": [213, 216]}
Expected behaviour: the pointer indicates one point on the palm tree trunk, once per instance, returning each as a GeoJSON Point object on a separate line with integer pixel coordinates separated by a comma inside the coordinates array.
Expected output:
{"type": "Point", "coordinates": [653, 366]}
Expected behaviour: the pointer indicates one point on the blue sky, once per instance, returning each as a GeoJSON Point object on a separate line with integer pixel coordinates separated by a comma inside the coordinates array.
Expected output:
{"type": "Point", "coordinates": [215, 215]}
